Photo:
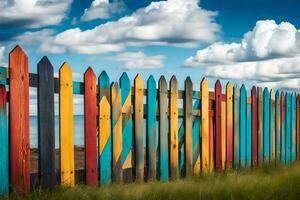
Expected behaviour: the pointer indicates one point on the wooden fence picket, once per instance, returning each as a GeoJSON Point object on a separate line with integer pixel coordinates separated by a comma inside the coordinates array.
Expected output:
{"type": "Point", "coordinates": [236, 133]}
{"type": "Point", "coordinates": [254, 127]}
{"type": "Point", "coordinates": [218, 125]}
{"type": "Point", "coordinates": [90, 127]}
{"type": "Point", "coordinates": [174, 170]}
{"type": "Point", "coordinates": [278, 126]}
{"type": "Point", "coordinates": [116, 121]}
{"type": "Point", "coordinates": [152, 142]}
{"type": "Point", "coordinates": [266, 125]}
{"type": "Point", "coordinates": [139, 127]}
{"type": "Point", "coordinates": [272, 127]}
{"type": "Point", "coordinates": [288, 128]}
{"type": "Point", "coordinates": [298, 127]}
{"type": "Point", "coordinates": [66, 126]}
{"type": "Point", "coordinates": [229, 125]}
{"type": "Point", "coordinates": [127, 127]}
{"type": "Point", "coordinates": [249, 135]}
{"type": "Point", "coordinates": [205, 126]}
{"type": "Point", "coordinates": [223, 134]}
{"type": "Point", "coordinates": [19, 121]}
{"type": "Point", "coordinates": [105, 142]}
{"type": "Point", "coordinates": [260, 126]}
{"type": "Point", "coordinates": [163, 130]}
{"type": "Point", "coordinates": [46, 124]}
{"type": "Point", "coordinates": [243, 126]}
{"type": "Point", "coordinates": [283, 120]}
{"type": "Point", "coordinates": [190, 147]}
{"type": "Point", "coordinates": [293, 119]}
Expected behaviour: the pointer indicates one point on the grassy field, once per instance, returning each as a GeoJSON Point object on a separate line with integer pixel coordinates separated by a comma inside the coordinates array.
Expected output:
{"type": "Point", "coordinates": [281, 182]}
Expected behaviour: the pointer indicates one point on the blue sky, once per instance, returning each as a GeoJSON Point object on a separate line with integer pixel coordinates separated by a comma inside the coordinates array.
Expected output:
{"type": "Point", "coordinates": [249, 41]}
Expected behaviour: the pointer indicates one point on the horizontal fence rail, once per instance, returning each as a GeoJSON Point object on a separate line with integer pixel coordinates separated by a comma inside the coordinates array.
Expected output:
{"type": "Point", "coordinates": [132, 138]}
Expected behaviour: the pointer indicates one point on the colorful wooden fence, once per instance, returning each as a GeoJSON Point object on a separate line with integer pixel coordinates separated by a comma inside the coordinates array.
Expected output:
{"type": "Point", "coordinates": [138, 133]}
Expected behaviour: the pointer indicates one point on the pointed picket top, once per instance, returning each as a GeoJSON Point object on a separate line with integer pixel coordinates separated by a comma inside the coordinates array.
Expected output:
{"type": "Point", "coordinates": [138, 79]}
{"type": "Point", "coordinates": [229, 88]}
{"type": "Point", "coordinates": [236, 89]}
{"type": "Point", "coordinates": [243, 90]}
{"type": "Point", "coordinates": [65, 68]}
{"type": "Point", "coordinates": [162, 82]}
{"type": "Point", "coordinates": [103, 79]}
{"type": "Point", "coordinates": [266, 91]}
{"type": "Point", "coordinates": [173, 84]}
{"type": "Point", "coordinates": [272, 94]}
{"type": "Point", "coordinates": [151, 81]}
{"type": "Point", "coordinates": [204, 82]}
{"type": "Point", "coordinates": [17, 51]}
{"type": "Point", "coordinates": [188, 82]}
{"type": "Point", "coordinates": [89, 72]}
{"type": "Point", "coordinates": [277, 94]}
{"type": "Point", "coordinates": [253, 91]}
{"type": "Point", "coordinates": [45, 63]}
{"type": "Point", "coordinates": [124, 80]}
{"type": "Point", "coordinates": [125, 87]}
{"type": "Point", "coordinates": [218, 84]}
{"type": "Point", "coordinates": [115, 86]}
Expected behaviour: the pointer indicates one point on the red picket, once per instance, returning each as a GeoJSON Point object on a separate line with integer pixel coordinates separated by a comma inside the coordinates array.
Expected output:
{"type": "Point", "coordinates": [254, 127]}
{"type": "Point", "coordinates": [218, 125]}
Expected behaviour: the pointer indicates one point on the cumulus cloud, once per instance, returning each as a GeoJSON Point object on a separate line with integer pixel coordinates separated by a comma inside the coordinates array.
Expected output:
{"type": "Point", "coordinates": [2, 54]}
{"type": "Point", "coordinates": [172, 22]}
{"type": "Point", "coordinates": [269, 53]}
{"type": "Point", "coordinates": [103, 9]}
{"type": "Point", "coordinates": [138, 60]}
{"type": "Point", "coordinates": [32, 13]}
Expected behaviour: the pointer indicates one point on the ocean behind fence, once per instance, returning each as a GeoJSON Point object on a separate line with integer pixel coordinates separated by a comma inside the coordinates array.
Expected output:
{"type": "Point", "coordinates": [136, 131]}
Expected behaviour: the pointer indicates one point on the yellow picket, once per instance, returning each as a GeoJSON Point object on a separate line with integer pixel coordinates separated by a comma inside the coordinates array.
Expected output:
{"type": "Point", "coordinates": [205, 125]}
{"type": "Point", "coordinates": [66, 125]}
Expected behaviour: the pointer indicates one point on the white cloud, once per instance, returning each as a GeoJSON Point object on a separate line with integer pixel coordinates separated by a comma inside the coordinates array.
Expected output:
{"type": "Point", "coordinates": [103, 9]}
{"type": "Point", "coordinates": [138, 60]}
{"type": "Point", "coordinates": [32, 13]}
{"type": "Point", "coordinates": [173, 22]}
{"type": "Point", "coordinates": [270, 53]}
{"type": "Point", "coordinates": [2, 54]}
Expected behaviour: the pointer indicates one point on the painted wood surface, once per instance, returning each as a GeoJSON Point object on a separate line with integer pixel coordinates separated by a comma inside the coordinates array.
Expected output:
{"type": "Point", "coordinates": [272, 127]}
{"type": "Point", "coordinates": [190, 167]}
{"type": "Point", "coordinates": [288, 130]}
{"type": "Point", "coordinates": [4, 144]}
{"type": "Point", "coordinates": [218, 125]}
{"type": "Point", "coordinates": [90, 127]}
{"type": "Point", "coordinates": [139, 128]}
{"type": "Point", "coordinates": [236, 133]}
{"type": "Point", "coordinates": [205, 125]}
{"type": "Point", "coordinates": [104, 86]}
{"type": "Point", "coordinates": [127, 127]}
{"type": "Point", "coordinates": [266, 125]}
{"type": "Point", "coordinates": [66, 126]}
{"type": "Point", "coordinates": [19, 121]}
{"type": "Point", "coordinates": [116, 125]}
{"type": "Point", "coordinates": [196, 141]}
{"type": "Point", "coordinates": [223, 134]}
{"type": "Point", "coordinates": [229, 125]}
{"type": "Point", "coordinates": [46, 124]}
{"type": "Point", "coordinates": [283, 120]}
{"type": "Point", "coordinates": [243, 126]}
{"type": "Point", "coordinates": [249, 136]}
{"type": "Point", "coordinates": [152, 140]}
{"type": "Point", "coordinates": [254, 127]}
{"type": "Point", "coordinates": [293, 120]}
{"type": "Point", "coordinates": [174, 170]}
{"type": "Point", "coordinates": [298, 127]}
{"type": "Point", "coordinates": [105, 142]}
{"type": "Point", "coordinates": [260, 136]}
{"type": "Point", "coordinates": [211, 139]}
{"type": "Point", "coordinates": [163, 130]}
{"type": "Point", "coordinates": [278, 125]}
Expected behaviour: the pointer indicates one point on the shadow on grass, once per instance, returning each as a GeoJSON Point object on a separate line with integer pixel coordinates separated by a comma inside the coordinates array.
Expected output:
{"type": "Point", "coordinates": [265, 182]}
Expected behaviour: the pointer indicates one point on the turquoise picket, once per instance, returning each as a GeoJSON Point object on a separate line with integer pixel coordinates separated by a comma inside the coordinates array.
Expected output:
{"type": "Point", "coordinates": [249, 136]}
{"type": "Point", "coordinates": [288, 128]}
{"type": "Point", "coordinates": [294, 109]}
{"type": "Point", "coordinates": [196, 136]}
{"type": "Point", "coordinates": [152, 139]}
{"type": "Point", "coordinates": [236, 123]}
{"type": "Point", "coordinates": [181, 148]}
{"type": "Point", "coordinates": [243, 125]}
{"type": "Point", "coordinates": [283, 124]}
{"type": "Point", "coordinates": [126, 125]}
{"type": "Point", "coordinates": [106, 155]}
{"type": "Point", "coordinates": [272, 127]}
{"type": "Point", "coordinates": [277, 125]}
{"type": "Point", "coordinates": [266, 125]}
{"type": "Point", "coordinates": [4, 147]}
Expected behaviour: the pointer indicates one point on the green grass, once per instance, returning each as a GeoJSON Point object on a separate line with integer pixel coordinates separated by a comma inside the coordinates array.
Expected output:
{"type": "Point", "coordinates": [281, 182]}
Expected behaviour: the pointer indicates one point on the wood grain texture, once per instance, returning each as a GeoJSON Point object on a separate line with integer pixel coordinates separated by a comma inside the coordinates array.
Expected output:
{"type": "Point", "coordinates": [196, 141]}
{"type": "Point", "coordinates": [4, 144]}
{"type": "Point", "coordinates": [298, 127]}
{"type": "Point", "coordinates": [139, 128]}
{"type": "Point", "coordinates": [127, 127]}
{"type": "Point", "coordinates": [151, 149]}
{"type": "Point", "coordinates": [66, 126]}
{"type": "Point", "coordinates": [236, 137]}
{"type": "Point", "coordinates": [104, 86]}
{"type": "Point", "coordinates": [90, 127]}
{"type": "Point", "coordinates": [260, 126]}
{"type": "Point", "coordinates": [249, 136]}
{"type": "Point", "coordinates": [46, 124]}
{"type": "Point", "coordinates": [205, 125]}
{"type": "Point", "coordinates": [272, 127]}
{"type": "Point", "coordinates": [218, 125]}
{"type": "Point", "coordinates": [105, 144]}
{"type": "Point", "coordinates": [293, 139]}
{"type": "Point", "coordinates": [283, 111]}
{"type": "Point", "coordinates": [229, 125]}
{"type": "Point", "coordinates": [174, 170]}
{"type": "Point", "coordinates": [188, 130]}
{"type": "Point", "coordinates": [243, 125]}
{"type": "Point", "coordinates": [266, 125]}
{"type": "Point", "coordinates": [163, 130]}
{"type": "Point", "coordinates": [223, 134]}
{"type": "Point", "coordinates": [278, 126]}
{"type": "Point", "coordinates": [254, 127]}
{"type": "Point", "coordinates": [211, 139]}
{"type": "Point", "coordinates": [288, 130]}
{"type": "Point", "coordinates": [116, 121]}
{"type": "Point", "coordinates": [19, 121]}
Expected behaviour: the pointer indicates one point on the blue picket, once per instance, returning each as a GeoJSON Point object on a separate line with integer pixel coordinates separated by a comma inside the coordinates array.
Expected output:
{"type": "Point", "coordinates": [288, 130]}
{"type": "Point", "coordinates": [294, 139]}
{"type": "Point", "coordinates": [277, 125]}
{"type": "Point", "coordinates": [266, 125]}
{"type": "Point", "coordinates": [243, 125]}
{"type": "Point", "coordinates": [249, 136]}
